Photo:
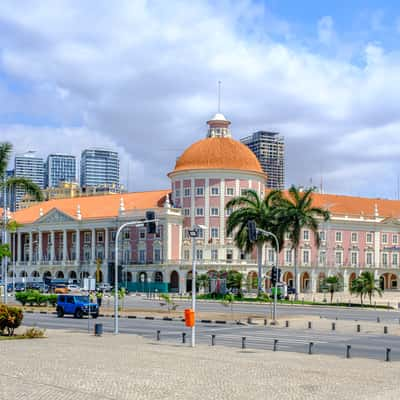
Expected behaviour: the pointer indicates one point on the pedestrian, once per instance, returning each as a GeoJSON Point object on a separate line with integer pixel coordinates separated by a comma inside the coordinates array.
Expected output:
{"type": "Point", "coordinates": [92, 298]}
{"type": "Point", "coordinates": [99, 296]}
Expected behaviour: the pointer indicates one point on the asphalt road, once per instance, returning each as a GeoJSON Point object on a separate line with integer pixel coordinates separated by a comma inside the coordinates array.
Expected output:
{"type": "Point", "coordinates": [257, 337]}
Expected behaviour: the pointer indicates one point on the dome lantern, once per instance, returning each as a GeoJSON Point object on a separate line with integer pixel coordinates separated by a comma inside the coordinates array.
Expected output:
{"type": "Point", "coordinates": [218, 126]}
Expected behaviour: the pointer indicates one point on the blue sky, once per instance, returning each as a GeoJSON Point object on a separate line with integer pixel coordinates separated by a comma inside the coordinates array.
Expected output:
{"type": "Point", "coordinates": [141, 77]}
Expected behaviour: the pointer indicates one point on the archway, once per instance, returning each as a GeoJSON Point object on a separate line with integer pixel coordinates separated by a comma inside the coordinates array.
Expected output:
{"type": "Point", "coordinates": [72, 275]}
{"type": "Point", "coordinates": [60, 275]}
{"type": "Point", "coordinates": [23, 274]}
{"type": "Point", "coordinates": [288, 278]}
{"type": "Point", "coordinates": [84, 274]}
{"type": "Point", "coordinates": [388, 281]}
{"type": "Point", "coordinates": [393, 281]}
{"type": "Point", "coordinates": [158, 277]}
{"type": "Point", "coordinates": [174, 282]}
{"type": "Point", "coordinates": [304, 282]}
{"type": "Point", "coordinates": [142, 280]}
{"type": "Point", "coordinates": [47, 274]}
{"type": "Point", "coordinates": [35, 274]}
{"type": "Point", "coordinates": [129, 276]}
{"type": "Point", "coordinates": [252, 280]}
{"type": "Point", "coordinates": [189, 278]}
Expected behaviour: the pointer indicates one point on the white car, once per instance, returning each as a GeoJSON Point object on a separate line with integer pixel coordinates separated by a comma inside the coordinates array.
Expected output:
{"type": "Point", "coordinates": [73, 288]}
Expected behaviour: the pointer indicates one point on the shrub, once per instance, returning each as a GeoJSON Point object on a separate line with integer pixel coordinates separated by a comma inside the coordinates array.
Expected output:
{"type": "Point", "coordinates": [10, 318]}
{"type": "Point", "coordinates": [52, 299]}
{"type": "Point", "coordinates": [34, 297]}
{"type": "Point", "coordinates": [21, 297]}
{"type": "Point", "coordinates": [34, 332]}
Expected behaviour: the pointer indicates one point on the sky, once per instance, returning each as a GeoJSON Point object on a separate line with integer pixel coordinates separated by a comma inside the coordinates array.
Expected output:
{"type": "Point", "coordinates": [141, 77]}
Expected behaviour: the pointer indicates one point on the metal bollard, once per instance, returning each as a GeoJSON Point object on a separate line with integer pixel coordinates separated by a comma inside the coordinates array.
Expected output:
{"type": "Point", "coordinates": [183, 337]}
{"type": "Point", "coordinates": [310, 346]}
{"type": "Point", "coordinates": [212, 340]}
{"type": "Point", "coordinates": [309, 325]}
{"type": "Point", "coordinates": [158, 335]}
{"type": "Point", "coordinates": [275, 345]}
{"type": "Point", "coordinates": [378, 319]}
{"type": "Point", "coordinates": [333, 326]}
{"type": "Point", "coordinates": [388, 350]}
{"type": "Point", "coordinates": [243, 342]}
{"type": "Point", "coordinates": [348, 348]}
{"type": "Point", "coordinates": [249, 320]}
{"type": "Point", "coordinates": [287, 324]}
{"type": "Point", "coordinates": [265, 322]}
{"type": "Point", "coordinates": [98, 329]}
{"type": "Point", "coordinates": [385, 329]}
{"type": "Point", "coordinates": [358, 328]}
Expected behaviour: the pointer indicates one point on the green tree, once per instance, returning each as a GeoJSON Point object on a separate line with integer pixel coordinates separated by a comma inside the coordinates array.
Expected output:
{"type": "Point", "coordinates": [234, 280]}
{"type": "Point", "coordinates": [357, 288]}
{"type": "Point", "coordinates": [332, 284]}
{"type": "Point", "coordinates": [365, 285]}
{"type": "Point", "coordinates": [251, 207]}
{"type": "Point", "coordinates": [296, 213]}
{"type": "Point", "coordinates": [203, 282]}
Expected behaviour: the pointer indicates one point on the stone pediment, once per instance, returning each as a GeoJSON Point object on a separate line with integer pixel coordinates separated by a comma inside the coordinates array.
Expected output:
{"type": "Point", "coordinates": [390, 220]}
{"type": "Point", "coordinates": [55, 216]}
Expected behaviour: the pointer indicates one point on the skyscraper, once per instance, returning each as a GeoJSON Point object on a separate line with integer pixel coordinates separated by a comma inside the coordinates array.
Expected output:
{"type": "Point", "coordinates": [269, 148]}
{"type": "Point", "coordinates": [29, 166]}
{"type": "Point", "coordinates": [60, 168]}
{"type": "Point", "coordinates": [99, 167]}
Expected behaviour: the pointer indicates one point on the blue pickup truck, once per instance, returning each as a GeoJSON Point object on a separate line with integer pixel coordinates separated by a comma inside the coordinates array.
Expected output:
{"type": "Point", "coordinates": [76, 305]}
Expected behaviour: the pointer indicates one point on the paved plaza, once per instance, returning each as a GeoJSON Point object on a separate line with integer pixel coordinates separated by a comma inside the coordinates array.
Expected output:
{"type": "Point", "coordinates": [74, 365]}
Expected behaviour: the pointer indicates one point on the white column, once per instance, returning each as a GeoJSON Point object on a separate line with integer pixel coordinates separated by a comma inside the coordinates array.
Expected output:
{"type": "Point", "coordinates": [77, 247]}
{"type": "Point", "coordinates": [345, 280]}
{"type": "Point", "coordinates": [314, 281]}
{"type": "Point", "coordinates": [19, 239]}
{"type": "Point", "coordinates": [106, 247]}
{"type": "Point", "coordinates": [65, 248]}
{"type": "Point", "coordinates": [377, 249]}
{"type": "Point", "coordinates": [53, 246]}
{"type": "Point", "coordinates": [93, 243]}
{"type": "Point", "coordinates": [40, 244]}
{"type": "Point", "coordinates": [30, 247]}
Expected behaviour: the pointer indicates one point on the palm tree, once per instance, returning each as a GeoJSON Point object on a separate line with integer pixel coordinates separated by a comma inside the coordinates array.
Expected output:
{"type": "Point", "coordinates": [357, 287]}
{"type": "Point", "coordinates": [370, 284]}
{"type": "Point", "coordinates": [297, 212]}
{"type": "Point", "coordinates": [251, 207]}
{"type": "Point", "coordinates": [333, 284]}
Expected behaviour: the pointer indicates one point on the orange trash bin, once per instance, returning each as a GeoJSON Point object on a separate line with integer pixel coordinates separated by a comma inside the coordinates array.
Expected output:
{"type": "Point", "coordinates": [189, 317]}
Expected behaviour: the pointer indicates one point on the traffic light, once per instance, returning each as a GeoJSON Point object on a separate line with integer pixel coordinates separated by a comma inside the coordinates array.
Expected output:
{"type": "Point", "coordinates": [151, 226]}
{"type": "Point", "coordinates": [274, 276]}
{"type": "Point", "coordinates": [251, 227]}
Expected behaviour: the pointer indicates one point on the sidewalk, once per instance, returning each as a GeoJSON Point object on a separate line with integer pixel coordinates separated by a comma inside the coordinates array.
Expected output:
{"type": "Point", "coordinates": [78, 366]}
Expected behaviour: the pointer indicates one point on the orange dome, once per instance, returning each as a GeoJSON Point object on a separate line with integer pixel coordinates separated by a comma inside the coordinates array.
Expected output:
{"type": "Point", "coordinates": [218, 153]}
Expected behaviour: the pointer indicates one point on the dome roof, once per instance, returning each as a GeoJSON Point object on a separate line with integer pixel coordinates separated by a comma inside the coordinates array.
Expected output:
{"type": "Point", "coordinates": [218, 153]}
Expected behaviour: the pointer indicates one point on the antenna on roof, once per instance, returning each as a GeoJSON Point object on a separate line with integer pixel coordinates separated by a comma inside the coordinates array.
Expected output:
{"type": "Point", "coordinates": [219, 96]}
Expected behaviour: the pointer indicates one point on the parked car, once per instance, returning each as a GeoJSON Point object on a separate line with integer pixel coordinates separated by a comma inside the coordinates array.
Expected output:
{"type": "Point", "coordinates": [76, 305]}
{"type": "Point", "coordinates": [40, 286]}
{"type": "Point", "coordinates": [73, 288]}
{"type": "Point", "coordinates": [61, 289]}
{"type": "Point", "coordinates": [104, 287]}
{"type": "Point", "coordinates": [20, 287]}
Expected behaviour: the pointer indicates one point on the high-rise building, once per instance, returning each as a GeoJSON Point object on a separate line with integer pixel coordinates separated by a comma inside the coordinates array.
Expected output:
{"type": "Point", "coordinates": [29, 166]}
{"type": "Point", "coordinates": [269, 148]}
{"type": "Point", "coordinates": [60, 168]}
{"type": "Point", "coordinates": [99, 167]}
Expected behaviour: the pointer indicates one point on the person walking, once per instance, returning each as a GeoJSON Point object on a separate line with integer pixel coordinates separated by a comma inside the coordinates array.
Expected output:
{"type": "Point", "coordinates": [99, 296]}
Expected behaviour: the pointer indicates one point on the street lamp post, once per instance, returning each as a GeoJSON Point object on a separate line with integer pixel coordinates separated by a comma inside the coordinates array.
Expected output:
{"type": "Point", "coordinates": [267, 233]}
{"type": "Point", "coordinates": [131, 223]}
{"type": "Point", "coordinates": [194, 234]}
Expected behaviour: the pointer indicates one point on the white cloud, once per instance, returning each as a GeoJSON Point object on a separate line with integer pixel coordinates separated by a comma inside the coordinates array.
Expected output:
{"type": "Point", "coordinates": [141, 77]}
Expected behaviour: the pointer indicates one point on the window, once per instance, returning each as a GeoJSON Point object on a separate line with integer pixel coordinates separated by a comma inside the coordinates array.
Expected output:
{"type": "Point", "coordinates": [306, 256]}
{"type": "Point", "coordinates": [186, 212]}
{"type": "Point", "coordinates": [142, 234]}
{"type": "Point", "coordinates": [395, 258]}
{"type": "Point", "coordinates": [288, 256]}
{"type": "Point", "coordinates": [186, 192]}
{"type": "Point", "coordinates": [384, 238]}
{"type": "Point", "coordinates": [354, 258]}
{"type": "Point", "coordinates": [142, 256]}
{"type": "Point", "coordinates": [86, 237]}
{"type": "Point", "coordinates": [199, 191]}
{"type": "Point", "coordinates": [230, 191]}
{"type": "Point", "coordinates": [306, 235]}
{"type": "Point", "coordinates": [157, 255]}
{"type": "Point", "coordinates": [127, 256]}
{"type": "Point", "coordinates": [177, 193]}
{"type": "Point", "coordinates": [384, 259]}
{"type": "Point", "coordinates": [100, 237]}
{"type": "Point", "coordinates": [338, 258]}
{"type": "Point", "coordinates": [354, 237]}
{"type": "Point", "coordinates": [186, 254]}
{"type": "Point", "coordinates": [243, 192]}
{"type": "Point", "coordinates": [229, 211]}
{"type": "Point", "coordinates": [214, 191]}
{"type": "Point", "coordinates": [200, 233]}
{"type": "Point", "coordinates": [199, 254]}
{"type": "Point", "coordinates": [338, 236]}
{"type": "Point", "coordinates": [127, 234]}
{"type": "Point", "coordinates": [322, 257]}
{"type": "Point", "coordinates": [199, 212]}
{"type": "Point", "coordinates": [271, 255]}
{"type": "Point", "coordinates": [395, 239]}
{"type": "Point", "coordinates": [214, 233]}
{"type": "Point", "coordinates": [322, 236]}
{"type": "Point", "coordinates": [369, 237]}
{"type": "Point", "coordinates": [214, 211]}
{"type": "Point", "coordinates": [369, 258]}
{"type": "Point", "coordinates": [229, 255]}
{"type": "Point", "coordinates": [73, 237]}
{"type": "Point", "coordinates": [214, 254]}
{"type": "Point", "coordinates": [113, 235]}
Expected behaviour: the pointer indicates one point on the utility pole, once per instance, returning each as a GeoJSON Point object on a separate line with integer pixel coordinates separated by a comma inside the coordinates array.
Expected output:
{"type": "Point", "coordinates": [5, 238]}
